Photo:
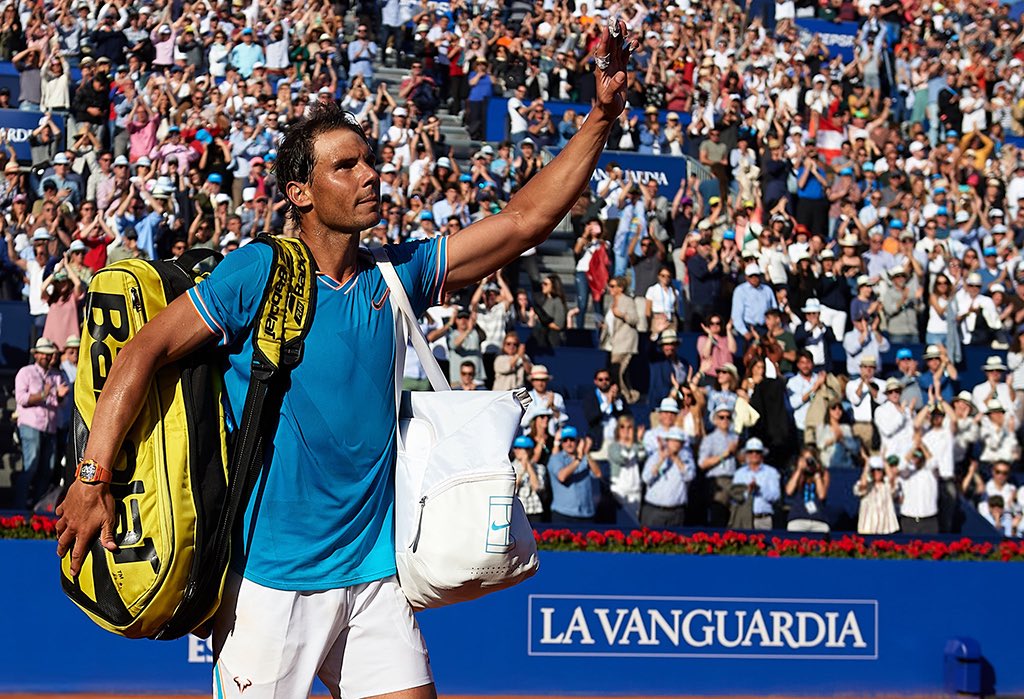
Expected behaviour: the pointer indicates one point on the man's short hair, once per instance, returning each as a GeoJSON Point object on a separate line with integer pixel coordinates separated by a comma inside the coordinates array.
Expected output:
{"type": "Point", "coordinates": [296, 158]}
{"type": "Point", "coordinates": [469, 364]}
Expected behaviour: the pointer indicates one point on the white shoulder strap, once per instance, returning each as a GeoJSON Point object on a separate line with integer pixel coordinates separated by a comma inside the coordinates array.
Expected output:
{"type": "Point", "coordinates": [407, 325]}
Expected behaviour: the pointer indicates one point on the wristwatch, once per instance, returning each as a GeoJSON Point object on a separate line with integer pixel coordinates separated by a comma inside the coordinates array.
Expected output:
{"type": "Point", "coordinates": [90, 472]}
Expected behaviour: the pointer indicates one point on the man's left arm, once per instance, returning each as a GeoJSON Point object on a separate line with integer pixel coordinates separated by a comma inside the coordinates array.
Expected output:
{"type": "Point", "coordinates": [537, 208]}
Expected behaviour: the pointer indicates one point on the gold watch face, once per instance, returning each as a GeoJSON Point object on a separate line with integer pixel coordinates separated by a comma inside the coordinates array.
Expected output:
{"type": "Point", "coordinates": [87, 472]}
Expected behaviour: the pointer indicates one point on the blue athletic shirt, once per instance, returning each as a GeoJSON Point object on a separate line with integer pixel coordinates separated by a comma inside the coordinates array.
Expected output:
{"type": "Point", "coordinates": [321, 515]}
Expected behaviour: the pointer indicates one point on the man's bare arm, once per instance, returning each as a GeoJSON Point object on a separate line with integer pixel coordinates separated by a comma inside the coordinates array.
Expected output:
{"type": "Point", "coordinates": [88, 510]}
{"type": "Point", "coordinates": [536, 209]}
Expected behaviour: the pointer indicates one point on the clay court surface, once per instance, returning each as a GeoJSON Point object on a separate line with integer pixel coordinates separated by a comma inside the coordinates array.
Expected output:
{"type": "Point", "coordinates": [458, 696]}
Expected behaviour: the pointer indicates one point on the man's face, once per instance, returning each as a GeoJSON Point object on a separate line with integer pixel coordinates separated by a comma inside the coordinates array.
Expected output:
{"type": "Point", "coordinates": [894, 395]}
{"type": "Point", "coordinates": [467, 374]}
{"type": "Point", "coordinates": [345, 188]}
{"type": "Point", "coordinates": [42, 359]}
{"type": "Point", "coordinates": [867, 372]}
{"type": "Point", "coordinates": [908, 366]}
{"type": "Point", "coordinates": [666, 418]}
{"type": "Point", "coordinates": [603, 381]}
{"type": "Point", "coordinates": [804, 365]}
{"type": "Point", "coordinates": [754, 280]}
{"type": "Point", "coordinates": [754, 458]}
{"type": "Point", "coordinates": [669, 349]}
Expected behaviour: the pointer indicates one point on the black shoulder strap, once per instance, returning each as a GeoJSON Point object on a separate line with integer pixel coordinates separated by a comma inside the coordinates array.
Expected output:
{"type": "Point", "coordinates": [282, 323]}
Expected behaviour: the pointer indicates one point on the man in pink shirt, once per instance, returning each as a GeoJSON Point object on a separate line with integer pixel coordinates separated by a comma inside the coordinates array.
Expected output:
{"type": "Point", "coordinates": [39, 389]}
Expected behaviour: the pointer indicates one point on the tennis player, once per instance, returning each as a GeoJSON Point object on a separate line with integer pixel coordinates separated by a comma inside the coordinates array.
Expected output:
{"type": "Point", "coordinates": [312, 590]}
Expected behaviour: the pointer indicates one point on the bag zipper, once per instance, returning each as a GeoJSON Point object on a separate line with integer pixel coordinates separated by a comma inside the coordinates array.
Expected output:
{"type": "Point", "coordinates": [447, 485]}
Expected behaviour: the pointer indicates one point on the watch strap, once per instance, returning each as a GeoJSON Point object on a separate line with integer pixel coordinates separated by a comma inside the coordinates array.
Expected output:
{"type": "Point", "coordinates": [102, 475]}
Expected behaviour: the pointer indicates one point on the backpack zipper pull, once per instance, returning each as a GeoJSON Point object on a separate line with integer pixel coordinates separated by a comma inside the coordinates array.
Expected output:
{"type": "Point", "coordinates": [419, 525]}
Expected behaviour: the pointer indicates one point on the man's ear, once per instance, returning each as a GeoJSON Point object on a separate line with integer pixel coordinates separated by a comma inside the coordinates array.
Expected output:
{"type": "Point", "coordinates": [298, 194]}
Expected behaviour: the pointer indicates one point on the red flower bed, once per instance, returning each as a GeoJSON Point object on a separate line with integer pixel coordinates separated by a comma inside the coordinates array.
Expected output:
{"type": "Point", "coordinates": [730, 543]}
{"type": "Point", "coordinates": [725, 543]}
{"type": "Point", "coordinates": [18, 527]}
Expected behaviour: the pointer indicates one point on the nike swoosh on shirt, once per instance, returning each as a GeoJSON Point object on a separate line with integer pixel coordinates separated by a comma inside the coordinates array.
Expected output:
{"type": "Point", "coordinates": [498, 527]}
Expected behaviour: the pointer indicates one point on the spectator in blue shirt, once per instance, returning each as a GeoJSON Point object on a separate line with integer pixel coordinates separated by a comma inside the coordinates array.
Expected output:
{"type": "Point", "coordinates": [750, 302]}
{"type": "Point", "coordinates": [572, 474]}
{"type": "Point", "coordinates": [481, 87]}
{"type": "Point", "coordinates": [717, 459]}
{"type": "Point", "coordinates": [667, 474]}
{"type": "Point", "coordinates": [812, 205]}
{"type": "Point", "coordinates": [246, 54]}
{"type": "Point", "coordinates": [761, 483]}
{"type": "Point", "coordinates": [938, 368]}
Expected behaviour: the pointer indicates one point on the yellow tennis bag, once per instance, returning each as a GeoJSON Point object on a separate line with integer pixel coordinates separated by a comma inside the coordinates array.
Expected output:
{"type": "Point", "coordinates": [176, 492]}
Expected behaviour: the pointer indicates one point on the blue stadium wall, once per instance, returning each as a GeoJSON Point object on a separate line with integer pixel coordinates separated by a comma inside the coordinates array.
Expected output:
{"type": "Point", "coordinates": [603, 624]}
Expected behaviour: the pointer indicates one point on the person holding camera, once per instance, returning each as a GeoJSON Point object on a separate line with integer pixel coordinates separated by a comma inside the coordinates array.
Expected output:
{"type": "Point", "coordinates": [807, 491]}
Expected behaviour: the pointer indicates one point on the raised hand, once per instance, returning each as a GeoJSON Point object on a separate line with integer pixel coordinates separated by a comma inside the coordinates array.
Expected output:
{"type": "Point", "coordinates": [612, 55]}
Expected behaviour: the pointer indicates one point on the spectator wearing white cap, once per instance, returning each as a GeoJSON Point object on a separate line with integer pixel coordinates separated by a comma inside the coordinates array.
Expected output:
{"type": "Point", "coordinates": [667, 416]}
{"type": "Point", "coordinates": [755, 484]}
{"type": "Point", "coordinates": [750, 301]}
{"type": "Point", "coordinates": [717, 459]}
{"type": "Point", "coordinates": [399, 136]}
{"type": "Point", "coordinates": [33, 266]}
{"type": "Point", "coordinates": [543, 398]}
{"type": "Point", "coordinates": [894, 421]}
{"type": "Point", "coordinates": [667, 474]}
{"type": "Point", "coordinates": [39, 389]}
{"type": "Point", "coordinates": [995, 385]}
{"type": "Point", "coordinates": [876, 489]}
{"type": "Point", "coordinates": [977, 316]}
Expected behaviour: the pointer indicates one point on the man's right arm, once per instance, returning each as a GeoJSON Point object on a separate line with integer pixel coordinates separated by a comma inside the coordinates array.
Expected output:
{"type": "Point", "coordinates": [88, 510]}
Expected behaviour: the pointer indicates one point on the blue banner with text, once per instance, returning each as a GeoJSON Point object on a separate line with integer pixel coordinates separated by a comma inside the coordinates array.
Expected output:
{"type": "Point", "coordinates": [839, 37]}
{"type": "Point", "coordinates": [16, 126]}
{"type": "Point", "coordinates": [599, 624]}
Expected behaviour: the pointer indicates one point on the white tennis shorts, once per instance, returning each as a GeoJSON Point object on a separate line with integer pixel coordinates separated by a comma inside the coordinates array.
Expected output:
{"type": "Point", "coordinates": [360, 641]}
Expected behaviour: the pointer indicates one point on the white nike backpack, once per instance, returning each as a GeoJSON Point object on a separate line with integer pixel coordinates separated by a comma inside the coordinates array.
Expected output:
{"type": "Point", "coordinates": [460, 530]}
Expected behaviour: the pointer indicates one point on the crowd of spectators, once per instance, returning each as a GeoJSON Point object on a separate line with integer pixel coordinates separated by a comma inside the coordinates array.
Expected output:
{"type": "Point", "coordinates": [843, 208]}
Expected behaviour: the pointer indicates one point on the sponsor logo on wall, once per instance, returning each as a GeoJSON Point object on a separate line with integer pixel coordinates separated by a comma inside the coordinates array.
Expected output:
{"type": "Point", "coordinates": [702, 627]}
